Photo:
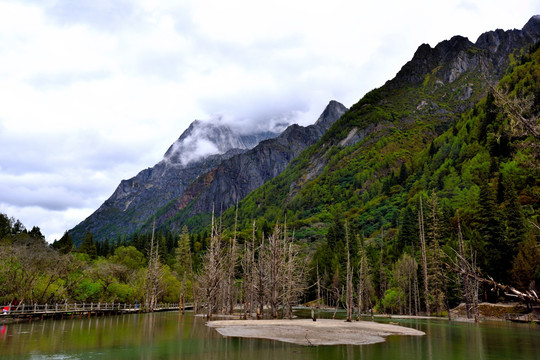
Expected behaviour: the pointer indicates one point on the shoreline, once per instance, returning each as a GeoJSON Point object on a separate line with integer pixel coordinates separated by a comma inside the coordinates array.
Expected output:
{"type": "Point", "coordinates": [312, 333]}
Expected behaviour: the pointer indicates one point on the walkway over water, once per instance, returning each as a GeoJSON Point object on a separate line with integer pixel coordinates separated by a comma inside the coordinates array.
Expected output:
{"type": "Point", "coordinates": [80, 309]}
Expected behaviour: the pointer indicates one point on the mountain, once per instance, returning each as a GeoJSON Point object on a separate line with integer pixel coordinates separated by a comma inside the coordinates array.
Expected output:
{"type": "Point", "coordinates": [237, 176]}
{"type": "Point", "coordinates": [206, 138]}
{"type": "Point", "coordinates": [351, 170]}
{"type": "Point", "coordinates": [436, 172]}
{"type": "Point", "coordinates": [372, 166]}
{"type": "Point", "coordinates": [208, 160]}
{"type": "Point", "coordinates": [199, 149]}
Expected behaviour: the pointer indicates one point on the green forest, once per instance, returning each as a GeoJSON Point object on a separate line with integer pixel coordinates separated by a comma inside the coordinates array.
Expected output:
{"type": "Point", "coordinates": [417, 217]}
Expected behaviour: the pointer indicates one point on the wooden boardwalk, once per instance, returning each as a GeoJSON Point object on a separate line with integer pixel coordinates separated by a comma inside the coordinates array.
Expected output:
{"type": "Point", "coordinates": [64, 310]}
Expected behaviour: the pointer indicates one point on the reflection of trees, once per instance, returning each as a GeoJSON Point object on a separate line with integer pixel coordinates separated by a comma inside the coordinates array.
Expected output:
{"type": "Point", "coordinates": [148, 329]}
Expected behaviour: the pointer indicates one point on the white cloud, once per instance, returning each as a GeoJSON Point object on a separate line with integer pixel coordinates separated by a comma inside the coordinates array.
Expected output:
{"type": "Point", "coordinates": [94, 91]}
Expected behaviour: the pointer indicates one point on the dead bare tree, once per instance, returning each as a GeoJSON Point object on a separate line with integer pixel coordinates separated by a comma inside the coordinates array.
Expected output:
{"type": "Point", "coordinates": [438, 278]}
{"type": "Point", "coordinates": [273, 257]}
{"type": "Point", "coordinates": [382, 272]}
{"type": "Point", "coordinates": [229, 294]}
{"type": "Point", "coordinates": [424, 256]}
{"type": "Point", "coordinates": [294, 276]}
{"type": "Point", "coordinates": [520, 110]}
{"type": "Point", "coordinates": [153, 275]}
{"type": "Point", "coordinates": [528, 296]}
{"type": "Point", "coordinates": [360, 288]}
{"type": "Point", "coordinates": [211, 278]}
{"type": "Point", "coordinates": [348, 284]}
{"type": "Point", "coordinates": [318, 287]}
{"type": "Point", "coordinates": [248, 269]}
{"type": "Point", "coordinates": [463, 265]}
{"type": "Point", "coordinates": [261, 279]}
{"type": "Point", "coordinates": [184, 265]}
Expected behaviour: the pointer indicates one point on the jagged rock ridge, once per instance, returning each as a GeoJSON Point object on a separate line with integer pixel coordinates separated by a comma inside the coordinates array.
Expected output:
{"type": "Point", "coordinates": [489, 54]}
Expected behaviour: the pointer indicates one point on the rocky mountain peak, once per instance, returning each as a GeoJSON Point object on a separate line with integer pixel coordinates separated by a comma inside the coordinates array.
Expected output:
{"type": "Point", "coordinates": [448, 48]}
{"type": "Point", "coordinates": [331, 113]}
{"type": "Point", "coordinates": [532, 27]}
{"type": "Point", "coordinates": [205, 138]}
{"type": "Point", "coordinates": [459, 55]}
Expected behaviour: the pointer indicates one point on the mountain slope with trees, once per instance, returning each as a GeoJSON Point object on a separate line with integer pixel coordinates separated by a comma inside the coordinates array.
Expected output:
{"type": "Point", "coordinates": [441, 134]}
{"type": "Point", "coordinates": [424, 195]}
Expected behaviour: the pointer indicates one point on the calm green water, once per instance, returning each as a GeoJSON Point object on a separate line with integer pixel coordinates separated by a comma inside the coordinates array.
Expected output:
{"type": "Point", "coordinates": [167, 336]}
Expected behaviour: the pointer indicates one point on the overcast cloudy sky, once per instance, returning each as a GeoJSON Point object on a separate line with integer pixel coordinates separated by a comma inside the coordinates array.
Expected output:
{"type": "Point", "coordinates": [93, 91]}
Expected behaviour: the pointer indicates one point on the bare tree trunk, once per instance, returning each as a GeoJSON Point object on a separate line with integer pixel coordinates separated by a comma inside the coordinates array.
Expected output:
{"type": "Point", "coordinates": [463, 265]}
{"type": "Point", "coordinates": [382, 274]}
{"type": "Point", "coordinates": [349, 290]}
{"type": "Point", "coordinates": [318, 288]}
{"type": "Point", "coordinates": [252, 274]}
{"type": "Point", "coordinates": [261, 280]}
{"type": "Point", "coordinates": [410, 293]}
{"type": "Point", "coordinates": [515, 110]}
{"type": "Point", "coordinates": [360, 288]}
{"type": "Point", "coordinates": [231, 294]}
{"type": "Point", "coordinates": [246, 284]}
{"type": "Point", "coordinates": [416, 291]}
{"type": "Point", "coordinates": [152, 275]}
{"type": "Point", "coordinates": [337, 293]}
{"type": "Point", "coordinates": [193, 289]}
{"type": "Point", "coordinates": [475, 285]}
{"type": "Point", "coordinates": [424, 257]}
{"type": "Point", "coordinates": [212, 275]}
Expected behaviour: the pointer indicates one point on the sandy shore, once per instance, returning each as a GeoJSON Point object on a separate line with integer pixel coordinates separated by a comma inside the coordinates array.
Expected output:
{"type": "Point", "coordinates": [308, 332]}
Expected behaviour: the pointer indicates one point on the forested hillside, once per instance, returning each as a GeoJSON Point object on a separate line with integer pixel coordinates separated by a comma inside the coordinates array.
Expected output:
{"type": "Point", "coordinates": [420, 196]}
{"type": "Point", "coordinates": [391, 179]}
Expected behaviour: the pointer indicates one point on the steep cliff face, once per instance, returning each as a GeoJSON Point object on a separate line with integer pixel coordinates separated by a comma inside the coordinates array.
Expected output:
{"type": "Point", "coordinates": [237, 176]}
{"type": "Point", "coordinates": [200, 149]}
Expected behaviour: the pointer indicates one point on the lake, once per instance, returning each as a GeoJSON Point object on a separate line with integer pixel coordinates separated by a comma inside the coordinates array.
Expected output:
{"type": "Point", "coordinates": [168, 336]}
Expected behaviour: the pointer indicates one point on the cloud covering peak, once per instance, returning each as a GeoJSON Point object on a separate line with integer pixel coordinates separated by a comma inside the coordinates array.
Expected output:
{"type": "Point", "coordinates": [211, 137]}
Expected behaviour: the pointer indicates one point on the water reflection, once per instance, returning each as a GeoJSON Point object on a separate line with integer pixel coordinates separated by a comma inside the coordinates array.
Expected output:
{"type": "Point", "coordinates": [171, 336]}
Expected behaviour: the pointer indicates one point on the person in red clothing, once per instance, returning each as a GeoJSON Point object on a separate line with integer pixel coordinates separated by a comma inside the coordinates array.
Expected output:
{"type": "Point", "coordinates": [5, 310]}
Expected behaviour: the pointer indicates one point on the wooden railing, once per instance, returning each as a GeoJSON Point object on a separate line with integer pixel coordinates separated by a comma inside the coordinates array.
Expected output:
{"type": "Point", "coordinates": [65, 308]}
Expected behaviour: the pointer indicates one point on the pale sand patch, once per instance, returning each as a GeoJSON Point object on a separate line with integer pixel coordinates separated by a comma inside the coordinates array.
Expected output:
{"type": "Point", "coordinates": [309, 332]}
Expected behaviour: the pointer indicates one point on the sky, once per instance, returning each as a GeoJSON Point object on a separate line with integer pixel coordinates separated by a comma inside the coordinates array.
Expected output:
{"type": "Point", "coordinates": [94, 91]}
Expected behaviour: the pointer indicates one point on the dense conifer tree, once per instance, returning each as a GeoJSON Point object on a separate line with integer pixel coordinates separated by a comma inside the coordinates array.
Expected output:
{"type": "Point", "coordinates": [88, 246]}
{"type": "Point", "coordinates": [496, 256]}
{"type": "Point", "coordinates": [64, 245]}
